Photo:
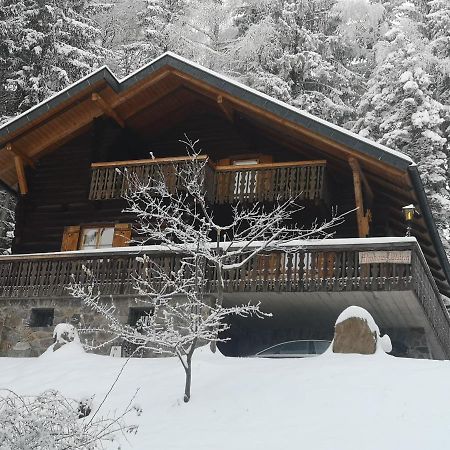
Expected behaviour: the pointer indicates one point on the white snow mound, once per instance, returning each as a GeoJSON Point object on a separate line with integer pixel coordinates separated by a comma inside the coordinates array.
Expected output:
{"type": "Point", "coordinates": [67, 341]}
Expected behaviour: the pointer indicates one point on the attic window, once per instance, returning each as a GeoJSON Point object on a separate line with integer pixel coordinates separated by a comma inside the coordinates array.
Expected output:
{"type": "Point", "coordinates": [42, 317]}
{"type": "Point", "coordinates": [139, 315]}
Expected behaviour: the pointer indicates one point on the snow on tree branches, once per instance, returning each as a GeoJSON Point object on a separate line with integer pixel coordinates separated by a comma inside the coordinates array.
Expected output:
{"type": "Point", "coordinates": [45, 46]}
{"type": "Point", "coordinates": [51, 421]}
{"type": "Point", "coordinates": [182, 312]}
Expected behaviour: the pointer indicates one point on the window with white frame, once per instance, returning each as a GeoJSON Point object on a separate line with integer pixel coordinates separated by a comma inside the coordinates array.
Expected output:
{"type": "Point", "coordinates": [96, 237]}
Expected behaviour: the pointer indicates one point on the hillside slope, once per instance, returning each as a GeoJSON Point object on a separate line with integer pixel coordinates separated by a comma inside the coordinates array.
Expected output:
{"type": "Point", "coordinates": [330, 402]}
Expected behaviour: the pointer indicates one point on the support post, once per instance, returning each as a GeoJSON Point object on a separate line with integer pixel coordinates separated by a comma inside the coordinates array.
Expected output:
{"type": "Point", "coordinates": [20, 169]}
{"type": "Point", "coordinates": [13, 149]}
{"type": "Point", "coordinates": [363, 217]}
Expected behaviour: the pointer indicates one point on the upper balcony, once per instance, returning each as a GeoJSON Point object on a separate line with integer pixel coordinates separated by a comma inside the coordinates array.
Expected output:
{"type": "Point", "coordinates": [246, 183]}
{"type": "Point", "coordinates": [388, 276]}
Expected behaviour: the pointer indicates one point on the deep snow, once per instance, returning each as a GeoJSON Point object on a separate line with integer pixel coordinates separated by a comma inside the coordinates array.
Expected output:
{"type": "Point", "coordinates": [331, 402]}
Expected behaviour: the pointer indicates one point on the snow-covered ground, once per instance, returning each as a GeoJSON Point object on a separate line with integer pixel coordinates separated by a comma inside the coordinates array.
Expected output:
{"type": "Point", "coordinates": [330, 402]}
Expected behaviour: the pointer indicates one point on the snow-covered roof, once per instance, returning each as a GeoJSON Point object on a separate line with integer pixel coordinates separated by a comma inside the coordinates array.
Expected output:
{"type": "Point", "coordinates": [229, 85]}
{"type": "Point", "coordinates": [287, 113]}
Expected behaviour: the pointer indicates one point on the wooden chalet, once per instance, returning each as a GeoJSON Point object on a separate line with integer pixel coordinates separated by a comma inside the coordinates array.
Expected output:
{"type": "Point", "coordinates": [60, 160]}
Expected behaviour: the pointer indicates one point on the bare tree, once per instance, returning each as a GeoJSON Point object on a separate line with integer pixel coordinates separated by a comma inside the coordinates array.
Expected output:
{"type": "Point", "coordinates": [180, 318]}
{"type": "Point", "coordinates": [181, 221]}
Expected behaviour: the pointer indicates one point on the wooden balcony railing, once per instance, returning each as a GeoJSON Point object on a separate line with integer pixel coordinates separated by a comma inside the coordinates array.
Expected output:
{"type": "Point", "coordinates": [112, 180]}
{"type": "Point", "coordinates": [304, 180]}
{"type": "Point", "coordinates": [269, 182]}
{"type": "Point", "coordinates": [341, 265]}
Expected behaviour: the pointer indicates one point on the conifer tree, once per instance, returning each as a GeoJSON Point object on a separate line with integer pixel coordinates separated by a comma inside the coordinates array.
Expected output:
{"type": "Point", "coordinates": [161, 23]}
{"type": "Point", "coordinates": [400, 111]}
{"type": "Point", "coordinates": [438, 28]}
{"type": "Point", "coordinates": [45, 46]}
{"type": "Point", "coordinates": [292, 52]}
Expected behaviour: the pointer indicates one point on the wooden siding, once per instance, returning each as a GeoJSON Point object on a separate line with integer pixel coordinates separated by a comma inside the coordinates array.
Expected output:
{"type": "Point", "coordinates": [59, 186]}
{"type": "Point", "coordinates": [58, 197]}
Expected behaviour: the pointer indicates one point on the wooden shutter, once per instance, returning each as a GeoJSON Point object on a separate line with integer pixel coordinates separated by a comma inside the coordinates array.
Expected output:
{"type": "Point", "coordinates": [70, 239]}
{"type": "Point", "coordinates": [122, 235]}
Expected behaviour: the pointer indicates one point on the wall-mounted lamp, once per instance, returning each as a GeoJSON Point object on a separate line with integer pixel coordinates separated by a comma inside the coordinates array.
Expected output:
{"type": "Point", "coordinates": [408, 212]}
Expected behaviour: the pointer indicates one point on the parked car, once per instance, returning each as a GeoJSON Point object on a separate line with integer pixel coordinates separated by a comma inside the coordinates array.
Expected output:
{"type": "Point", "coordinates": [295, 349]}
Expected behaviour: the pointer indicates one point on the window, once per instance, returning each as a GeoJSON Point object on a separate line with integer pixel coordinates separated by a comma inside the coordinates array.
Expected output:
{"type": "Point", "coordinates": [91, 237]}
{"type": "Point", "coordinates": [245, 181]}
{"type": "Point", "coordinates": [96, 237]}
{"type": "Point", "coordinates": [42, 317]}
{"type": "Point", "coordinates": [139, 315]}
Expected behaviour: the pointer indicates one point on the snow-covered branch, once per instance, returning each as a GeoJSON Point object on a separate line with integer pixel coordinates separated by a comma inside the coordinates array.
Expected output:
{"type": "Point", "coordinates": [51, 421]}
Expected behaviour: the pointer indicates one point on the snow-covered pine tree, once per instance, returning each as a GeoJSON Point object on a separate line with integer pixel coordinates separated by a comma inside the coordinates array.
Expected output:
{"type": "Point", "coordinates": [7, 220]}
{"type": "Point", "coordinates": [399, 109]}
{"type": "Point", "coordinates": [161, 24]}
{"type": "Point", "coordinates": [10, 24]}
{"type": "Point", "coordinates": [48, 45]}
{"type": "Point", "coordinates": [208, 31]}
{"type": "Point", "coordinates": [292, 50]}
{"type": "Point", "coordinates": [438, 29]}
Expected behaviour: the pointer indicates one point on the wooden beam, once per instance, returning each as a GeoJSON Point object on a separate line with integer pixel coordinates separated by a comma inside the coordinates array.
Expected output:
{"type": "Point", "coordinates": [368, 191]}
{"type": "Point", "coordinates": [56, 110]}
{"type": "Point", "coordinates": [13, 149]}
{"type": "Point", "coordinates": [20, 169]}
{"type": "Point", "coordinates": [138, 88]}
{"type": "Point", "coordinates": [107, 109]}
{"type": "Point", "coordinates": [59, 139]}
{"type": "Point", "coordinates": [314, 138]}
{"type": "Point", "coordinates": [363, 217]}
{"type": "Point", "coordinates": [149, 103]}
{"type": "Point", "coordinates": [226, 108]}
{"type": "Point", "coordinates": [141, 162]}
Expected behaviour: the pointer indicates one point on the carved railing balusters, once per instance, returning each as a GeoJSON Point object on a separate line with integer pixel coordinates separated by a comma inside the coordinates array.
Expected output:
{"type": "Point", "coordinates": [268, 182]}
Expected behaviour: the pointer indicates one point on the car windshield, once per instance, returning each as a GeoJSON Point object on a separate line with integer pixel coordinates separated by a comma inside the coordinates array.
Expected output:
{"type": "Point", "coordinates": [288, 348]}
{"type": "Point", "coordinates": [321, 346]}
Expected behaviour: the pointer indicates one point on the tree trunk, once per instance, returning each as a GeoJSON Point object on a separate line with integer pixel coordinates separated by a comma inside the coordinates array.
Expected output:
{"type": "Point", "coordinates": [187, 386]}
{"type": "Point", "coordinates": [219, 300]}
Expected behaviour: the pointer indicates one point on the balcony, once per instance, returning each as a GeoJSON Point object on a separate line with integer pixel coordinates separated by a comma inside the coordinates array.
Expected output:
{"type": "Point", "coordinates": [304, 180]}
{"type": "Point", "coordinates": [389, 274]}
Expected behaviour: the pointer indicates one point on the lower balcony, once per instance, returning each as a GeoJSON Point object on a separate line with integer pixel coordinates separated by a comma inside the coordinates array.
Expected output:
{"type": "Point", "coordinates": [314, 281]}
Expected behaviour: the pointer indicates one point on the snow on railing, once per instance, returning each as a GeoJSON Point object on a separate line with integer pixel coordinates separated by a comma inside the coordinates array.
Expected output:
{"type": "Point", "coordinates": [330, 265]}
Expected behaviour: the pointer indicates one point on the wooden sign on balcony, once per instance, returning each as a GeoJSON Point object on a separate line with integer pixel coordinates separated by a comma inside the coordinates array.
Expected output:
{"type": "Point", "coordinates": [385, 256]}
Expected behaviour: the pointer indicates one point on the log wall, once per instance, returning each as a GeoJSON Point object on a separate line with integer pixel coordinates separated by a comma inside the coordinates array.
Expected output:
{"type": "Point", "coordinates": [59, 186]}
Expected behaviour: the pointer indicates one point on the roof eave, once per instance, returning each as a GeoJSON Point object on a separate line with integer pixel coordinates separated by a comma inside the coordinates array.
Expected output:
{"type": "Point", "coordinates": [429, 220]}
{"type": "Point", "coordinates": [234, 88]}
